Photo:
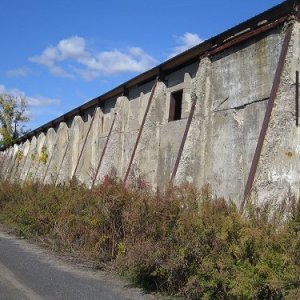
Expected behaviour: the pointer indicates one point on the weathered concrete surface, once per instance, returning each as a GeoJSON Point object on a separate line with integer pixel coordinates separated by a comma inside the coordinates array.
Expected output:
{"type": "Point", "coordinates": [29, 160]}
{"type": "Point", "coordinates": [193, 156]}
{"type": "Point", "coordinates": [278, 170]}
{"type": "Point", "coordinates": [232, 90]}
{"type": "Point", "coordinates": [111, 162]}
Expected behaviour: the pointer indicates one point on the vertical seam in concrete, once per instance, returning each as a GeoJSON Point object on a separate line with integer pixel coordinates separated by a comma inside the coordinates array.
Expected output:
{"type": "Point", "coordinates": [25, 161]}
{"type": "Point", "coordinates": [84, 143]}
{"type": "Point", "coordinates": [297, 98]}
{"type": "Point", "coordinates": [185, 134]}
{"type": "Point", "coordinates": [28, 171]}
{"type": "Point", "coordinates": [64, 156]}
{"type": "Point", "coordinates": [38, 160]}
{"type": "Point", "coordinates": [14, 168]}
{"type": "Point", "coordinates": [266, 121]}
{"type": "Point", "coordinates": [103, 151]}
{"type": "Point", "coordinates": [9, 165]}
{"type": "Point", "coordinates": [50, 160]}
{"type": "Point", "coordinates": [141, 129]}
{"type": "Point", "coordinates": [6, 156]}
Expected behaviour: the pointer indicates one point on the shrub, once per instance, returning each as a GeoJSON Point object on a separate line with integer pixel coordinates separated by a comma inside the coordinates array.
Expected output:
{"type": "Point", "coordinates": [43, 157]}
{"type": "Point", "coordinates": [19, 156]}
{"type": "Point", "coordinates": [184, 242]}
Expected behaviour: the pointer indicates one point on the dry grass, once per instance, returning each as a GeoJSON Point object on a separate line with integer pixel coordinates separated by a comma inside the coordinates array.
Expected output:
{"type": "Point", "coordinates": [184, 242]}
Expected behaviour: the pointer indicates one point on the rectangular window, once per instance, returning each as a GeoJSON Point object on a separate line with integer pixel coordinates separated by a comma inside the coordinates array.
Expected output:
{"type": "Point", "coordinates": [175, 105]}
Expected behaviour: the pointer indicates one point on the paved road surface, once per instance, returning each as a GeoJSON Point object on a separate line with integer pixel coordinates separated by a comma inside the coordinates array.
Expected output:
{"type": "Point", "coordinates": [29, 272]}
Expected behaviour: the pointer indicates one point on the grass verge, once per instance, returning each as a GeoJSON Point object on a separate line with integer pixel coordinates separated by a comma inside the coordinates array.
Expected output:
{"type": "Point", "coordinates": [184, 242]}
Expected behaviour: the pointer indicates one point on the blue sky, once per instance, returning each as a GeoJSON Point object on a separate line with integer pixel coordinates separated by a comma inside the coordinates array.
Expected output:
{"type": "Point", "coordinates": [62, 53]}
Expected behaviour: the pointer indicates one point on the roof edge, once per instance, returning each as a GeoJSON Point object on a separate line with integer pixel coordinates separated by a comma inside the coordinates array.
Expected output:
{"type": "Point", "coordinates": [256, 25]}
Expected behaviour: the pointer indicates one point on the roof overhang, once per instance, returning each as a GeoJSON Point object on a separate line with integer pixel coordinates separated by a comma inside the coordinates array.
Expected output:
{"type": "Point", "coordinates": [274, 17]}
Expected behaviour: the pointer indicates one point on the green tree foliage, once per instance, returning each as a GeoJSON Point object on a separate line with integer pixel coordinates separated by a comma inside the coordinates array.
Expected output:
{"type": "Point", "coordinates": [12, 115]}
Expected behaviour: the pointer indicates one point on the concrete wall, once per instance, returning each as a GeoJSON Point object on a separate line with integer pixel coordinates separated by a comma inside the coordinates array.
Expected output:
{"type": "Point", "coordinates": [278, 170]}
{"type": "Point", "coordinates": [231, 90]}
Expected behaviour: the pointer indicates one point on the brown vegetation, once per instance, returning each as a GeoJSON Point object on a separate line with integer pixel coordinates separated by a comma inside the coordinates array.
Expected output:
{"type": "Point", "coordinates": [184, 242]}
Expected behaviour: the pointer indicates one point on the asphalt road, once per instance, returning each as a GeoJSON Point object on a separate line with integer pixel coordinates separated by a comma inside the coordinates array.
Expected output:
{"type": "Point", "coordinates": [30, 272]}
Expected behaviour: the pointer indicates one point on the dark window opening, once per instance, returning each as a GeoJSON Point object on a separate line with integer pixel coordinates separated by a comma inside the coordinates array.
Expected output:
{"type": "Point", "coordinates": [175, 106]}
{"type": "Point", "coordinates": [102, 124]}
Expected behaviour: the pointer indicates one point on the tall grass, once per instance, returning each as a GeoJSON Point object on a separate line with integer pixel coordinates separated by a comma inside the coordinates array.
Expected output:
{"type": "Point", "coordinates": [184, 242]}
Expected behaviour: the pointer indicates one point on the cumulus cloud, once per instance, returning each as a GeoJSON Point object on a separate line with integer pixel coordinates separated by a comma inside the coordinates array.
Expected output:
{"type": "Point", "coordinates": [185, 42]}
{"type": "Point", "coordinates": [72, 48]}
{"type": "Point", "coordinates": [21, 72]}
{"type": "Point", "coordinates": [115, 61]}
{"type": "Point", "coordinates": [48, 58]}
{"type": "Point", "coordinates": [36, 101]}
{"type": "Point", "coordinates": [90, 64]}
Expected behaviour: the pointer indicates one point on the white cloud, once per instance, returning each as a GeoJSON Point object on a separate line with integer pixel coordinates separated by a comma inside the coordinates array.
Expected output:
{"type": "Point", "coordinates": [185, 42]}
{"type": "Point", "coordinates": [115, 61]}
{"type": "Point", "coordinates": [60, 72]}
{"type": "Point", "coordinates": [42, 101]}
{"type": "Point", "coordinates": [36, 101]}
{"type": "Point", "coordinates": [48, 58]}
{"type": "Point", "coordinates": [72, 48]}
{"type": "Point", "coordinates": [21, 72]}
{"type": "Point", "coordinates": [88, 64]}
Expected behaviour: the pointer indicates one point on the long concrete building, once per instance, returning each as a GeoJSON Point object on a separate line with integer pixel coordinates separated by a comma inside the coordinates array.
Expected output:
{"type": "Point", "coordinates": [223, 113]}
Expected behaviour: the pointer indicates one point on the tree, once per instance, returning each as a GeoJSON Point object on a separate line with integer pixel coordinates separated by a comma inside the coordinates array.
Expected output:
{"type": "Point", "coordinates": [12, 115]}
